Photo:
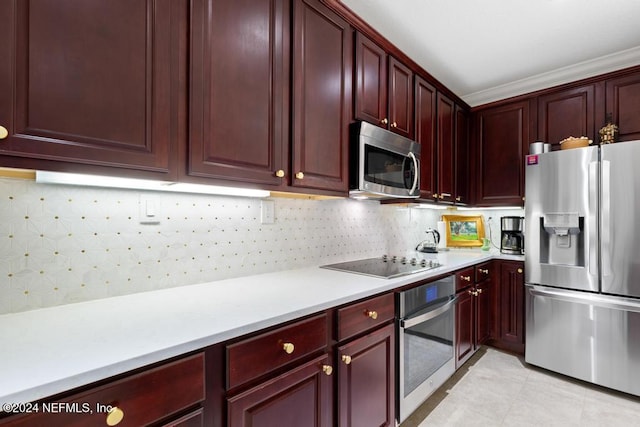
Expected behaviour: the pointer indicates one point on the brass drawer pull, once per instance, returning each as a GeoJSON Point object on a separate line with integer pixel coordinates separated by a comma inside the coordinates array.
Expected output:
{"type": "Point", "coordinates": [465, 278]}
{"type": "Point", "coordinates": [346, 359]}
{"type": "Point", "coordinates": [327, 369]}
{"type": "Point", "coordinates": [115, 416]}
{"type": "Point", "coordinates": [288, 347]}
{"type": "Point", "coordinates": [372, 314]}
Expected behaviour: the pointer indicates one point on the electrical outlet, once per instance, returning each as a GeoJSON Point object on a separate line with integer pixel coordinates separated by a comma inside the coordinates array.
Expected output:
{"type": "Point", "coordinates": [267, 212]}
{"type": "Point", "coordinates": [149, 209]}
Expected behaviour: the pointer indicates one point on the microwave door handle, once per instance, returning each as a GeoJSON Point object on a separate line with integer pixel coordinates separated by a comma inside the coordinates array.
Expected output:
{"type": "Point", "coordinates": [415, 168]}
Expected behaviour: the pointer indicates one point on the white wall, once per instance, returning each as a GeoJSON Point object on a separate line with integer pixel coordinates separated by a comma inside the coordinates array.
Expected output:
{"type": "Point", "coordinates": [62, 244]}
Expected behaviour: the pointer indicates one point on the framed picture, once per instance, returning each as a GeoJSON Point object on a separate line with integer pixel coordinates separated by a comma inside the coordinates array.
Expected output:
{"type": "Point", "coordinates": [464, 230]}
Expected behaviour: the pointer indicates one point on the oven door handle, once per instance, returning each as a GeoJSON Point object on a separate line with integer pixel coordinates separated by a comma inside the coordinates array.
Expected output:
{"type": "Point", "coordinates": [407, 323]}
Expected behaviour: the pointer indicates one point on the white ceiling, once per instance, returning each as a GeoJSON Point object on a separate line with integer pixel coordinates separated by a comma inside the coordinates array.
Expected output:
{"type": "Point", "coordinates": [486, 50]}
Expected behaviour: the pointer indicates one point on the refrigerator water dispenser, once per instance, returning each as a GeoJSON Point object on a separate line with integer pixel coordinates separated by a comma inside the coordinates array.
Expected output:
{"type": "Point", "coordinates": [561, 239]}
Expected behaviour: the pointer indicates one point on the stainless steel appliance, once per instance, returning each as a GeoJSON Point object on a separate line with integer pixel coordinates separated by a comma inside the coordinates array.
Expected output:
{"type": "Point", "coordinates": [512, 235]}
{"type": "Point", "coordinates": [426, 339]}
{"type": "Point", "coordinates": [385, 266]}
{"type": "Point", "coordinates": [582, 269]}
{"type": "Point", "coordinates": [431, 243]}
{"type": "Point", "coordinates": [385, 165]}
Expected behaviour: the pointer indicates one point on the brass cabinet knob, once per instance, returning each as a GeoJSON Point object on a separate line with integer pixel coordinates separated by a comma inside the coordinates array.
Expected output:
{"type": "Point", "coordinates": [394, 125]}
{"type": "Point", "coordinates": [372, 314]}
{"type": "Point", "coordinates": [436, 195]}
{"type": "Point", "coordinates": [465, 278]}
{"type": "Point", "coordinates": [346, 359]}
{"type": "Point", "coordinates": [280, 173]}
{"type": "Point", "coordinates": [288, 347]}
{"type": "Point", "coordinates": [478, 291]}
{"type": "Point", "coordinates": [520, 271]}
{"type": "Point", "coordinates": [458, 199]}
{"type": "Point", "coordinates": [483, 271]}
{"type": "Point", "coordinates": [327, 369]}
{"type": "Point", "coordinates": [300, 175]}
{"type": "Point", "coordinates": [3, 132]}
{"type": "Point", "coordinates": [384, 121]}
{"type": "Point", "coordinates": [115, 416]}
{"type": "Point", "coordinates": [470, 292]}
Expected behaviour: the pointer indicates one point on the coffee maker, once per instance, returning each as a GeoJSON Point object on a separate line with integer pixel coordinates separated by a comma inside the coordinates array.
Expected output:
{"type": "Point", "coordinates": [512, 241]}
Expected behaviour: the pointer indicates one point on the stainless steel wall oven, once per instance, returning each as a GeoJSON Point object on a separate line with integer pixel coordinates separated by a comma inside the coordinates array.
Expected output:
{"type": "Point", "coordinates": [426, 340]}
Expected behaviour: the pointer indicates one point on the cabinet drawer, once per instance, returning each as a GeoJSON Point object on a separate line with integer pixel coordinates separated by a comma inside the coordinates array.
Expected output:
{"type": "Point", "coordinates": [365, 315]}
{"type": "Point", "coordinates": [483, 271]}
{"type": "Point", "coordinates": [253, 357]}
{"type": "Point", "coordinates": [143, 398]}
{"type": "Point", "coordinates": [465, 278]}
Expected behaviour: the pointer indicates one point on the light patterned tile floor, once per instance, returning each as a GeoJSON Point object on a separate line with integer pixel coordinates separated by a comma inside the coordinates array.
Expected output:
{"type": "Point", "coordinates": [499, 389]}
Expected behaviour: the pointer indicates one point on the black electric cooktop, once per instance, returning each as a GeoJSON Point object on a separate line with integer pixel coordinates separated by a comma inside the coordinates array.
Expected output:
{"type": "Point", "coordinates": [386, 267]}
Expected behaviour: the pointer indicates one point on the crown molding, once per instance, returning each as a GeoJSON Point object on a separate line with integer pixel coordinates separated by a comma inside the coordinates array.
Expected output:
{"type": "Point", "coordinates": [605, 64]}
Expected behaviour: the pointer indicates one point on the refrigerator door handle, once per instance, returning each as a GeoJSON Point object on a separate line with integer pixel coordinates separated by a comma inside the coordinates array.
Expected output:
{"type": "Point", "coordinates": [605, 218]}
{"type": "Point", "coordinates": [593, 219]}
{"type": "Point", "coordinates": [598, 300]}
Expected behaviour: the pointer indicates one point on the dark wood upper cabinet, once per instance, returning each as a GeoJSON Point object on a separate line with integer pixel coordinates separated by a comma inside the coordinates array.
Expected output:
{"type": "Point", "coordinates": [400, 98]}
{"type": "Point", "coordinates": [445, 148]}
{"type": "Point", "coordinates": [623, 105]}
{"type": "Point", "coordinates": [503, 135]}
{"type": "Point", "coordinates": [322, 97]}
{"type": "Point", "coordinates": [425, 135]}
{"type": "Point", "coordinates": [462, 191]}
{"type": "Point", "coordinates": [94, 83]}
{"type": "Point", "coordinates": [370, 81]}
{"type": "Point", "coordinates": [566, 113]}
{"type": "Point", "coordinates": [384, 88]}
{"type": "Point", "coordinates": [239, 90]}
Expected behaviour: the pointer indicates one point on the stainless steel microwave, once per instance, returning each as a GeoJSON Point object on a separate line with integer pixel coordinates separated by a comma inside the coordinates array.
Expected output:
{"type": "Point", "coordinates": [383, 164]}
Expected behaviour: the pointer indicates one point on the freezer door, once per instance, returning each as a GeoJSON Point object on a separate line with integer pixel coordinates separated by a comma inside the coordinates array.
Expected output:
{"type": "Point", "coordinates": [561, 214]}
{"type": "Point", "coordinates": [587, 336]}
{"type": "Point", "coordinates": [620, 218]}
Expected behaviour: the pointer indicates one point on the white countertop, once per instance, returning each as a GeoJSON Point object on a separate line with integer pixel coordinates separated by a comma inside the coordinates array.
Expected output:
{"type": "Point", "coordinates": [51, 350]}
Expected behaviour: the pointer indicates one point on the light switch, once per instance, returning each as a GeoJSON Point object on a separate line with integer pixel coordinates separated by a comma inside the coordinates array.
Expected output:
{"type": "Point", "coordinates": [149, 209]}
{"type": "Point", "coordinates": [267, 211]}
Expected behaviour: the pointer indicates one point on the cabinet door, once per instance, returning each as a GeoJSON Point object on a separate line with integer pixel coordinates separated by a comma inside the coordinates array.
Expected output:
{"type": "Point", "coordinates": [502, 135]}
{"type": "Point", "coordinates": [623, 103]}
{"type": "Point", "coordinates": [400, 98]}
{"type": "Point", "coordinates": [371, 82]}
{"type": "Point", "coordinates": [239, 89]}
{"type": "Point", "coordinates": [425, 134]}
{"type": "Point", "coordinates": [483, 312]}
{"type": "Point", "coordinates": [511, 306]}
{"type": "Point", "coordinates": [366, 380]}
{"type": "Point", "coordinates": [462, 164]}
{"type": "Point", "coordinates": [465, 326]}
{"type": "Point", "coordinates": [92, 82]}
{"type": "Point", "coordinates": [322, 97]}
{"type": "Point", "coordinates": [299, 397]}
{"type": "Point", "coordinates": [567, 113]}
{"type": "Point", "coordinates": [445, 151]}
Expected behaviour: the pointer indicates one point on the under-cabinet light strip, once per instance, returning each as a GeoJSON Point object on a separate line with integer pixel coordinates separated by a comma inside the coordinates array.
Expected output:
{"type": "Point", "coordinates": [63, 178]}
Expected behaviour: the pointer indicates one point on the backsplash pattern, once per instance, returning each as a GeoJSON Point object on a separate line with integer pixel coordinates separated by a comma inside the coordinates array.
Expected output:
{"type": "Point", "coordinates": [64, 244]}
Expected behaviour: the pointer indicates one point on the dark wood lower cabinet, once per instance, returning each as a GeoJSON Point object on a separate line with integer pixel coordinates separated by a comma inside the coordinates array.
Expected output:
{"type": "Point", "coordinates": [366, 380]}
{"type": "Point", "coordinates": [299, 397]}
{"type": "Point", "coordinates": [465, 321]}
{"type": "Point", "coordinates": [510, 307]}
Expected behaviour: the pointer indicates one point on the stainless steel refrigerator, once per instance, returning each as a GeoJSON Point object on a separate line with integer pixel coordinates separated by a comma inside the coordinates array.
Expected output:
{"type": "Point", "coordinates": [582, 263]}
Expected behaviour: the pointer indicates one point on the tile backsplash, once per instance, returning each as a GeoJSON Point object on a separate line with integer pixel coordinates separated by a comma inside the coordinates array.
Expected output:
{"type": "Point", "coordinates": [64, 244]}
